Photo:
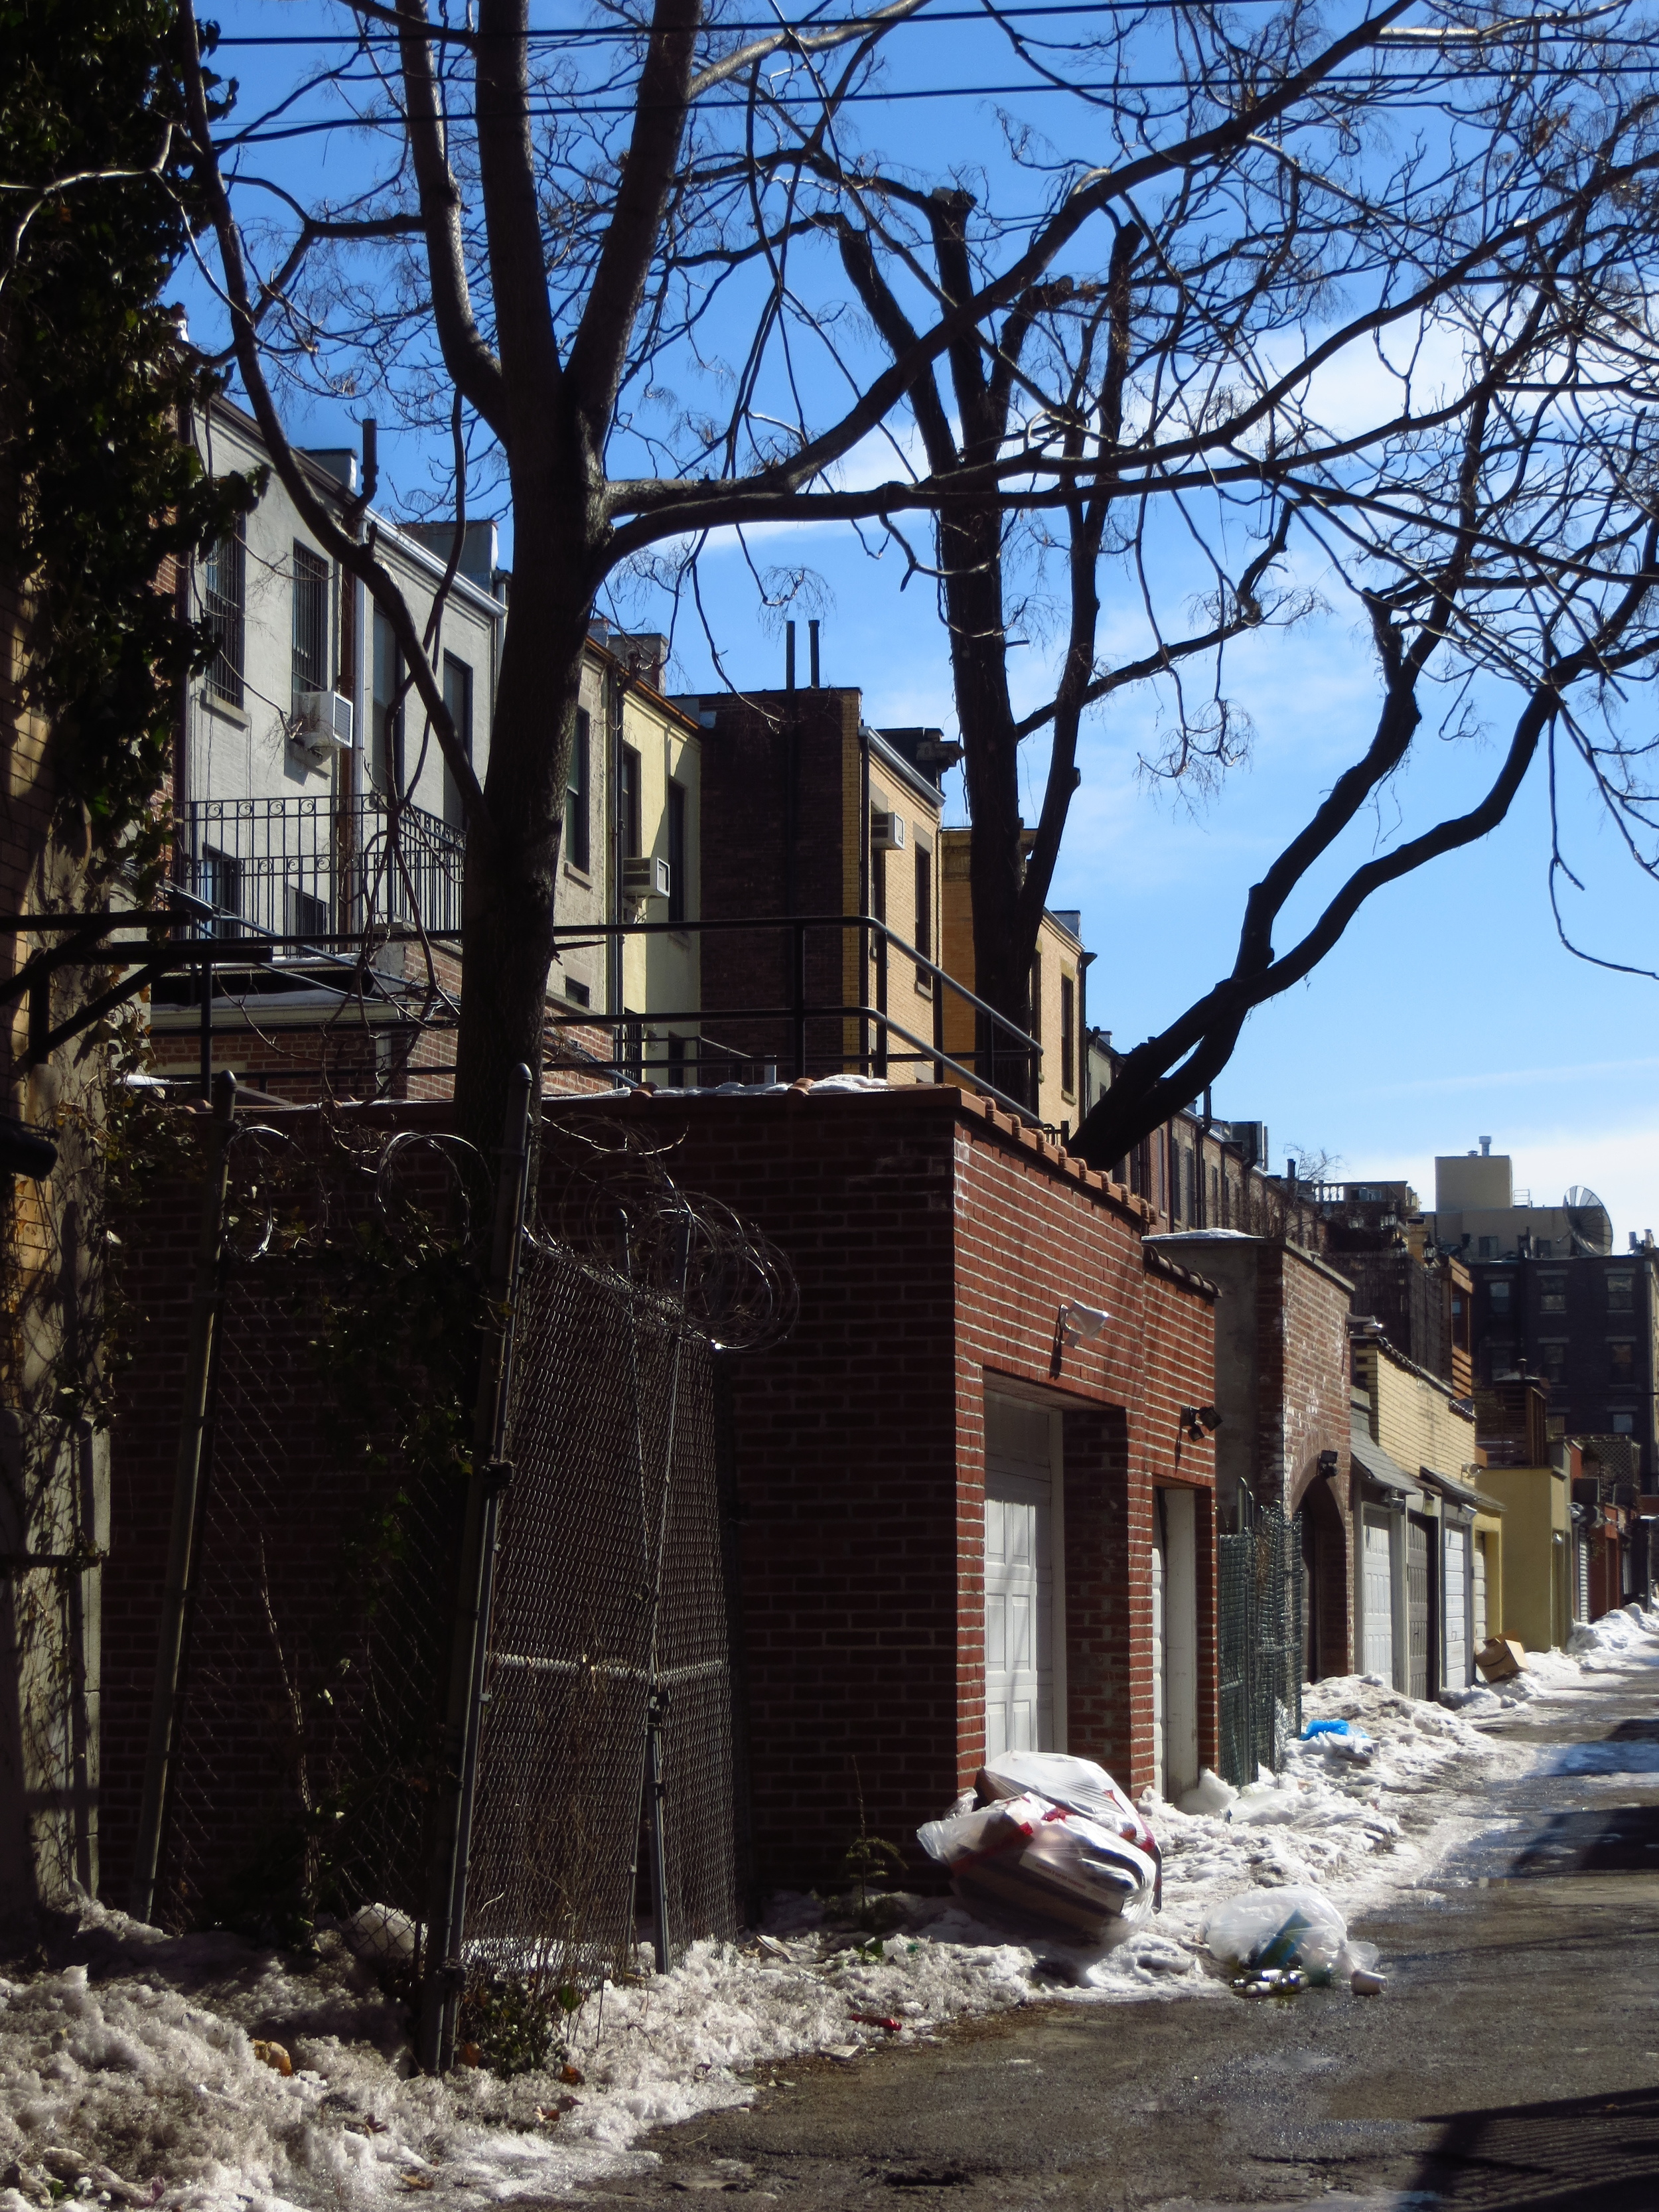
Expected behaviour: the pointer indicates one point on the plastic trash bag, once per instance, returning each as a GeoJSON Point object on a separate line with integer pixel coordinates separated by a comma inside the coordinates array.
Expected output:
{"type": "Point", "coordinates": [1043, 1869]}
{"type": "Point", "coordinates": [1266, 1935]}
{"type": "Point", "coordinates": [1081, 1787]}
{"type": "Point", "coordinates": [1341, 1737]}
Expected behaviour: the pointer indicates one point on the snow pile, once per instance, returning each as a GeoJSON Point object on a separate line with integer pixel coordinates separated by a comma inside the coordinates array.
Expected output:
{"type": "Point", "coordinates": [138, 2070]}
{"type": "Point", "coordinates": [136, 2067]}
{"type": "Point", "coordinates": [1631, 1630]}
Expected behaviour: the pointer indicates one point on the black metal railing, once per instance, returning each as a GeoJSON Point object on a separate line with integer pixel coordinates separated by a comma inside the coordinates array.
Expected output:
{"type": "Point", "coordinates": [312, 869]}
{"type": "Point", "coordinates": [805, 1031]}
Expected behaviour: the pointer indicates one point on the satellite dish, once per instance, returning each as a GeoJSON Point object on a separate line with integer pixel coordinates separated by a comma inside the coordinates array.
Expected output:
{"type": "Point", "coordinates": [1589, 1218]}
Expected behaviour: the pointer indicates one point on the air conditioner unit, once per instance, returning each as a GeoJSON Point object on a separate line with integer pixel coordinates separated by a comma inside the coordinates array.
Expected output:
{"type": "Point", "coordinates": [324, 720]}
{"type": "Point", "coordinates": [886, 832]}
{"type": "Point", "coordinates": [644, 879]}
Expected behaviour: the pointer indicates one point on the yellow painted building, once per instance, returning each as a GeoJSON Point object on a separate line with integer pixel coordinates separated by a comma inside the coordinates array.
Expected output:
{"type": "Point", "coordinates": [1056, 989]}
{"type": "Point", "coordinates": [1537, 1602]}
{"type": "Point", "coordinates": [630, 853]}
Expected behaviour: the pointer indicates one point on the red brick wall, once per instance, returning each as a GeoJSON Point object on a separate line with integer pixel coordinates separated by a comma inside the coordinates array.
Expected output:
{"type": "Point", "coordinates": [751, 866]}
{"type": "Point", "coordinates": [933, 1243]}
{"type": "Point", "coordinates": [933, 1247]}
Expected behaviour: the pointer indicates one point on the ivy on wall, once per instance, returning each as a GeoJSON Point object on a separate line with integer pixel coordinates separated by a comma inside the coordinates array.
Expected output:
{"type": "Point", "coordinates": [95, 214]}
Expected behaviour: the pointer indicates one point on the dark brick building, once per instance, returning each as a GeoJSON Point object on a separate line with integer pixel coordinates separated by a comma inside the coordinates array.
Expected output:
{"type": "Point", "coordinates": [1584, 1326]}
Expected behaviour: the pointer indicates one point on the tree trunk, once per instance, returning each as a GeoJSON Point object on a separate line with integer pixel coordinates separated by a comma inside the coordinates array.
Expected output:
{"type": "Point", "coordinates": [971, 557]}
{"type": "Point", "coordinates": [513, 855]}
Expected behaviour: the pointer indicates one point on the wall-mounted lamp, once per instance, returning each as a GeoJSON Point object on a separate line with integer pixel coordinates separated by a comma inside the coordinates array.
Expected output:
{"type": "Point", "coordinates": [1328, 1463]}
{"type": "Point", "coordinates": [1081, 1324]}
{"type": "Point", "coordinates": [1200, 1421]}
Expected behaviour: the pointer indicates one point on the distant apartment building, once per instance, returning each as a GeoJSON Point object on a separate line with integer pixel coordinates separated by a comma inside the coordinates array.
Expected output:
{"type": "Point", "coordinates": [1058, 1000]}
{"type": "Point", "coordinates": [314, 808]}
{"type": "Point", "coordinates": [1479, 1212]}
{"type": "Point", "coordinates": [1586, 1326]}
{"type": "Point", "coordinates": [823, 947]}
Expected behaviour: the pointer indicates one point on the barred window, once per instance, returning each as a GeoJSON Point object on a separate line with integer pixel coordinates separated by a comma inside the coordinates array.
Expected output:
{"type": "Point", "coordinates": [457, 697]}
{"type": "Point", "coordinates": [310, 621]}
{"type": "Point", "coordinates": [577, 849]}
{"type": "Point", "coordinates": [224, 614]}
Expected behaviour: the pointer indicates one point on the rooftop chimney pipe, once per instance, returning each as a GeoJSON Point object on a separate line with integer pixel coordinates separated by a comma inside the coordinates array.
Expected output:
{"type": "Point", "coordinates": [1485, 1148]}
{"type": "Point", "coordinates": [812, 651]}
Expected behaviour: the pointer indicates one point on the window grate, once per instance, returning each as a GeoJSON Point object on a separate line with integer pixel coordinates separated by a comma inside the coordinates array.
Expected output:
{"type": "Point", "coordinates": [310, 623]}
{"type": "Point", "coordinates": [224, 607]}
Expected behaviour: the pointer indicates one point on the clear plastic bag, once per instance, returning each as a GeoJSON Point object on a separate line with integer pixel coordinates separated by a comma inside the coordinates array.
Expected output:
{"type": "Point", "coordinates": [1039, 1868]}
{"type": "Point", "coordinates": [1082, 1787]}
{"type": "Point", "coordinates": [1297, 1929]}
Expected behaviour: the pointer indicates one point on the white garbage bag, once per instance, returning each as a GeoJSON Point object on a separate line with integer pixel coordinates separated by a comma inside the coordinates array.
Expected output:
{"type": "Point", "coordinates": [1040, 1867]}
{"type": "Point", "coordinates": [1081, 1787]}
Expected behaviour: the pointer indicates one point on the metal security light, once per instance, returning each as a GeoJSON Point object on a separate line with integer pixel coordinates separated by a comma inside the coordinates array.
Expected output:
{"type": "Point", "coordinates": [1080, 1324]}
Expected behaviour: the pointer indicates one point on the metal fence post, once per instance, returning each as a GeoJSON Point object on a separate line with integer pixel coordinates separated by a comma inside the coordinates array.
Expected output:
{"type": "Point", "coordinates": [187, 1493]}
{"type": "Point", "coordinates": [441, 1979]}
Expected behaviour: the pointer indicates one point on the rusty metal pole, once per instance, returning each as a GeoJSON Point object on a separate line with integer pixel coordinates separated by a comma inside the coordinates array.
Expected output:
{"type": "Point", "coordinates": [441, 1979]}
{"type": "Point", "coordinates": [186, 1496]}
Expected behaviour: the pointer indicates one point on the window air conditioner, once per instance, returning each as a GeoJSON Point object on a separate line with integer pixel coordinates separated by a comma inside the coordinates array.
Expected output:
{"type": "Point", "coordinates": [324, 722]}
{"type": "Point", "coordinates": [644, 879]}
{"type": "Point", "coordinates": [886, 832]}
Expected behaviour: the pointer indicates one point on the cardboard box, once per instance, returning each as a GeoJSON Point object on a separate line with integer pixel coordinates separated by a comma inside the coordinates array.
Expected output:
{"type": "Point", "coordinates": [1499, 1657]}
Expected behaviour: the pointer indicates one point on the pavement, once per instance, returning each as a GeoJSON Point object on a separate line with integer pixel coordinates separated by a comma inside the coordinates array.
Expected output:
{"type": "Point", "coordinates": [1513, 2061]}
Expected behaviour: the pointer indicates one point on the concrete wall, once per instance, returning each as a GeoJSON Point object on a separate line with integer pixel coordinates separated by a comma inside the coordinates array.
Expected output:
{"type": "Point", "coordinates": [1537, 1539]}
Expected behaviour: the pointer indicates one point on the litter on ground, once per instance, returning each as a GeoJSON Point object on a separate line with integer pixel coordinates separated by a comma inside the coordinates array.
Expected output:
{"type": "Point", "coordinates": [129, 2070]}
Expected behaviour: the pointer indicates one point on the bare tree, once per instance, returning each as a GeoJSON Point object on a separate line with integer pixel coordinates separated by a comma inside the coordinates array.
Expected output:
{"type": "Point", "coordinates": [1426, 372]}
{"type": "Point", "coordinates": [572, 285]}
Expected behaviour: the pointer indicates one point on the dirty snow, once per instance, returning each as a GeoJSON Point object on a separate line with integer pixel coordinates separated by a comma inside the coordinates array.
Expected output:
{"type": "Point", "coordinates": [131, 2078]}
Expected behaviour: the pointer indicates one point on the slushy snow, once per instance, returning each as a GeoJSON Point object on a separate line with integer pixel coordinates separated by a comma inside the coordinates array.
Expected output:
{"type": "Point", "coordinates": [131, 2077]}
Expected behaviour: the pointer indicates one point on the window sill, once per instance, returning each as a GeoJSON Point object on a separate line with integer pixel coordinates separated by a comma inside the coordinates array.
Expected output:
{"type": "Point", "coordinates": [579, 875]}
{"type": "Point", "coordinates": [682, 938]}
{"type": "Point", "coordinates": [223, 710]}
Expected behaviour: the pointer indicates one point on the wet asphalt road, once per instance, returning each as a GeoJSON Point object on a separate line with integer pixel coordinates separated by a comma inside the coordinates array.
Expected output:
{"type": "Point", "coordinates": [1512, 2063]}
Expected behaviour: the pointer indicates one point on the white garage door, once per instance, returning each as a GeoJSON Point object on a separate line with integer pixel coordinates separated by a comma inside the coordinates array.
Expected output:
{"type": "Point", "coordinates": [1377, 1574]}
{"type": "Point", "coordinates": [1454, 1642]}
{"type": "Point", "coordinates": [1019, 1639]}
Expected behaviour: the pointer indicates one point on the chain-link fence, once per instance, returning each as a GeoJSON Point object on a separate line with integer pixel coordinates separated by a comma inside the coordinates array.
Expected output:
{"type": "Point", "coordinates": [310, 1757]}
{"type": "Point", "coordinates": [324, 1575]}
{"type": "Point", "coordinates": [610, 1617]}
{"type": "Point", "coordinates": [1259, 1640]}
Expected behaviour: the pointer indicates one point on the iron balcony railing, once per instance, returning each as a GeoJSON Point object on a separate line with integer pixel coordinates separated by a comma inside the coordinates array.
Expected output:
{"type": "Point", "coordinates": [313, 869]}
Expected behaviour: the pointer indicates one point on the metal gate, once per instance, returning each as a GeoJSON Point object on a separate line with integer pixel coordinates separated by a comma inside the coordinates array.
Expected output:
{"type": "Point", "coordinates": [1259, 1640]}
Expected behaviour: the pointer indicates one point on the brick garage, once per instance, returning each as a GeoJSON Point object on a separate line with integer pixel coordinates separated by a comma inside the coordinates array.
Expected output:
{"type": "Point", "coordinates": [935, 1242]}
{"type": "Point", "coordinates": [1282, 1385]}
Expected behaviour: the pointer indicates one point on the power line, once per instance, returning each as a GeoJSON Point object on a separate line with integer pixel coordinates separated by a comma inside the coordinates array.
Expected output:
{"type": "Point", "coordinates": [601, 33]}
{"type": "Point", "coordinates": [550, 110]}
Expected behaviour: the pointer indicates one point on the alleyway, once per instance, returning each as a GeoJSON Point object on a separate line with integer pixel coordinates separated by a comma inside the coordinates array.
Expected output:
{"type": "Point", "coordinates": [1512, 2063]}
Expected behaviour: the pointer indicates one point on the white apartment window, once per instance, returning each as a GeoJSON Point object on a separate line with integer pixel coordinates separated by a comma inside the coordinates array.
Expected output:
{"type": "Point", "coordinates": [677, 847]}
{"type": "Point", "coordinates": [310, 623]}
{"type": "Point", "coordinates": [577, 788]}
{"type": "Point", "coordinates": [224, 614]}
{"type": "Point", "coordinates": [1068, 1035]}
{"type": "Point", "coordinates": [924, 936]}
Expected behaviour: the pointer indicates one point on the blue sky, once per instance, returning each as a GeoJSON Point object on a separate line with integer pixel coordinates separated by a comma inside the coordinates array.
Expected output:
{"type": "Point", "coordinates": [1449, 1011]}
